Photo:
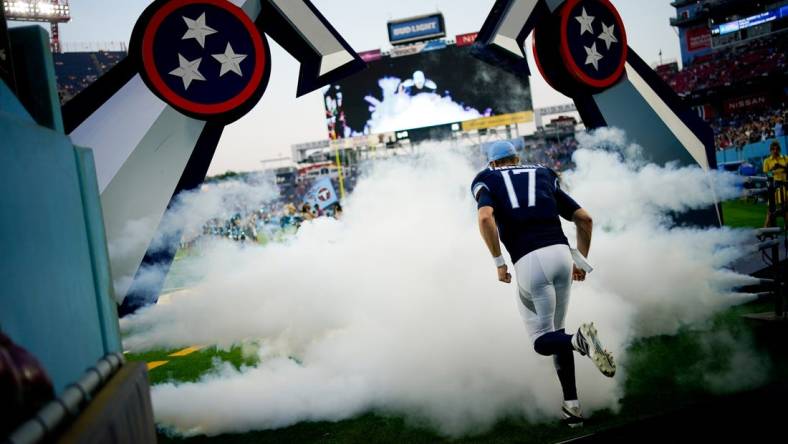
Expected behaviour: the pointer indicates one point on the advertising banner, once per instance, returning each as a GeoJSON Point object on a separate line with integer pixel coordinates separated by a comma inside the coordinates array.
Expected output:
{"type": "Point", "coordinates": [415, 29]}
{"type": "Point", "coordinates": [370, 56]}
{"type": "Point", "coordinates": [746, 103]}
{"type": "Point", "coordinates": [496, 121]}
{"type": "Point", "coordinates": [466, 39]}
{"type": "Point", "coordinates": [698, 38]}
{"type": "Point", "coordinates": [415, 48]}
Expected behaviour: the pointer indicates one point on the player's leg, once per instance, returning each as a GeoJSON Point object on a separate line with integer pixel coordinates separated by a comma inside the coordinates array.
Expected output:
{"type": "Point", "coordinates": [557, 263]}
{"type": "Point", "coordinates": [586, 340]}
{"type": "Point", "coordinates": [536, 302]}
{"type": "Point", "coordinates": [537, 305]}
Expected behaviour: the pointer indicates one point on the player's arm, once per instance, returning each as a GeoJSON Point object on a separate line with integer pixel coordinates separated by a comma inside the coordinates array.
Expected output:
{"type": "Point", "coordinates": [571, 211]}
{"type": "Point", "coordinates": [489, 231]}
{"type": "Point", "coordinates": [585, 225]}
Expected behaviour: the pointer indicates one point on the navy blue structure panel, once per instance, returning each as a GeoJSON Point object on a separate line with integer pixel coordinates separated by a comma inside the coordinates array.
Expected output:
{"type": "Point", "coordinates": [286, 33]}
{"type": "Point", "coordinates": [84, 104]}
{"type": "Point", "coordinates": [7, 62]}
{"type": "Point", "coordinates": [485, 48]}
{"type": "Point", "coordinates": [698, 126]}
{"type": "Point", "coordinates": [623, 107]}
{"type": "Point", "coordinates": [146, 291]}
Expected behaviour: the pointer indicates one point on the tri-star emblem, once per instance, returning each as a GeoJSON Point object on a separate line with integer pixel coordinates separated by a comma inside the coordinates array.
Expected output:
{"type": "Point", "coordinates": [204, 57]}
{"type": "Point", "coordinates": [595, 49]}
{"type": "Point", "coordinates": [608, 35]}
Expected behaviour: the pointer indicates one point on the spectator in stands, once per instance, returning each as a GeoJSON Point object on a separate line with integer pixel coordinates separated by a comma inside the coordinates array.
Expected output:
{"type": "Point", "coordinates": [775, 166]}
{"type": "Point", "coordinates": [739, 130]}
{"type": "Point", "coordinates": [306, 212]}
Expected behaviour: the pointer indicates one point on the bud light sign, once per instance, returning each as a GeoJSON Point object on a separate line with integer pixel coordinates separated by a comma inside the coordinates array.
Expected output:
{"type": "Point", "coordinates": [416, 29]}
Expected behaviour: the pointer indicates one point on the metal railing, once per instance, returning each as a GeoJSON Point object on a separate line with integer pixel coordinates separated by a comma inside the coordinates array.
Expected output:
{"type": "Point", "coordinates": [50, 418]}
{"type": "Point", "coordinates": [770, 239]}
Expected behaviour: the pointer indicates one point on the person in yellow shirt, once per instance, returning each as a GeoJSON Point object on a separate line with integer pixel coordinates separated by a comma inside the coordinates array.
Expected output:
{"type": "Point", "coordinates": [776, 165]}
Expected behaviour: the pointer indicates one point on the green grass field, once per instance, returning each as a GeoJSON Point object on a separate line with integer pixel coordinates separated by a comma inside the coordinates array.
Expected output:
{"type": "Point", "coordinates": [665, 374]}
{"type": "Point", "coordinates": [743, 214]}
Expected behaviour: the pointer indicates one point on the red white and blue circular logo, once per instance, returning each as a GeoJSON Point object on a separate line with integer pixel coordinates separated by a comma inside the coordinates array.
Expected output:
{"type": "Point", "coordinates": [593, 42]}
{"type": "Point", "coordinates": [324, 194]}
{"type": "Point", "coordinates": [205, 58]}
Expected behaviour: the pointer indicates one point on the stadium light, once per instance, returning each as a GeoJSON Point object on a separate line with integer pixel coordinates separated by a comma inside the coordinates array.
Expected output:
{"type": "Point", "coordinates": [53, 11]}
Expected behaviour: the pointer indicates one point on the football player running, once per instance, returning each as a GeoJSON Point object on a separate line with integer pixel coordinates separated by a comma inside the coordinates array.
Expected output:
{"type": "Point", "coordinates": [520, 206]}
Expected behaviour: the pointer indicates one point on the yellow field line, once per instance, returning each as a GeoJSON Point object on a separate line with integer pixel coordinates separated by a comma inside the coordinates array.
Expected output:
{"type": "Point", "coordinates": [154, 364]}
{"type": "Point", "coordinates": [186, 351]}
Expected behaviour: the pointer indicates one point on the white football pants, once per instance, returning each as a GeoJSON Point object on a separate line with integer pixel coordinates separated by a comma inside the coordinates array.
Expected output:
{"type": "Point", "coordinates": [544, 278]}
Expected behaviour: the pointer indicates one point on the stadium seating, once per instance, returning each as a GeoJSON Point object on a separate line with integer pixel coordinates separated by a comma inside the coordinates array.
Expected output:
{"type": "Point", "coordinates": [76, 70]}
{"type": "Point", "coordinates": [728, 66]}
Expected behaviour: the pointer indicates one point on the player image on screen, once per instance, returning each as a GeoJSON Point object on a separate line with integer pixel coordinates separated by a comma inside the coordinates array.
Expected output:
{"type": "Point", "coordinates": [418, 84]}
{"type": "Point", "coordinates": [424, 89]}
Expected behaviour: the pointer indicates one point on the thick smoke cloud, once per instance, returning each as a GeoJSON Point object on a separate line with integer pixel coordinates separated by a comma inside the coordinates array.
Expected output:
{"type": "Point", "coordinates": [185, 217]}
{"type": "Point", "coordinates": [396, 307]}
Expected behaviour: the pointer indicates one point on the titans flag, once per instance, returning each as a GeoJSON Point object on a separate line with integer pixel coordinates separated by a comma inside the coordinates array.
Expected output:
{"type": "Point", "coordinates": [321, 193]}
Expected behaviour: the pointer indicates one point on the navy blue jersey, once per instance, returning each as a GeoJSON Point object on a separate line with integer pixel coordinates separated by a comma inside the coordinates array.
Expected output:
{"type": "Point", "coordinates": [526, 202]}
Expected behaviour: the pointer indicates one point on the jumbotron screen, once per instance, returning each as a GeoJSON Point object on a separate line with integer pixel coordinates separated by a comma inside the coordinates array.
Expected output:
{"type": "Point", "coordinates": [420, 90]}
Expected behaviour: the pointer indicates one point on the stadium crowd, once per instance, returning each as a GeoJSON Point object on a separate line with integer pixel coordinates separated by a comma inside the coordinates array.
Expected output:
{"type": "Point", "coordinates": [77, 70]}
{"type": "Point", "coordinates": [553, 154]}
{"type": "Point", "coordinates": [741, 129]}
{"type": "Point", "coordinates": [263, 224]}
{"type": "Point", "coordinates": [726, 67]}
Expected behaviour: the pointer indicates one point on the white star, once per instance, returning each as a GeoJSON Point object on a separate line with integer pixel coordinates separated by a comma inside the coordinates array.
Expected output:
{"type": "Point", "coordinates": [608, 35]}
{"type": "Point", "coordinates": [586, 22]}
{"type": "Point", "coordinates": [230, 61]}
{"type": "Point", "coordinates": [593, 56]}
{"type": "Point", "coordinates": [188, 71]}
{"type": "Point", "coordinates": [198, 30]}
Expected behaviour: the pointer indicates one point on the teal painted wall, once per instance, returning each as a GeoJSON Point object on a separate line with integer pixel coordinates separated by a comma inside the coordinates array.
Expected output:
{"type": "Point", "coordinates": [56, 297]}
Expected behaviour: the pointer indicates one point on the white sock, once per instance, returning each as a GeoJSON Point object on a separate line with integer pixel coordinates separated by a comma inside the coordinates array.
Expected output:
{"type": "Point", "coordinates": [574, 344]}
{"type": "Point", "coordinates": [572, 403]}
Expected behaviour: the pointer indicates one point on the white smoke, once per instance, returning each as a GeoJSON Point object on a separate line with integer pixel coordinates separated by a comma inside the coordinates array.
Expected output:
{"type": "Point", "coordinates": [396, 308]}
{"type": "Point", "coordinates": [221, 199]}
{"type": "Point", "coordinates": [185, 217]}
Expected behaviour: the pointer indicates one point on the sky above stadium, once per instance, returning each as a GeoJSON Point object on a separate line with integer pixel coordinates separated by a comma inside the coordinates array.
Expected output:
{"type": "Point", "coordinates": [280, 120]}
